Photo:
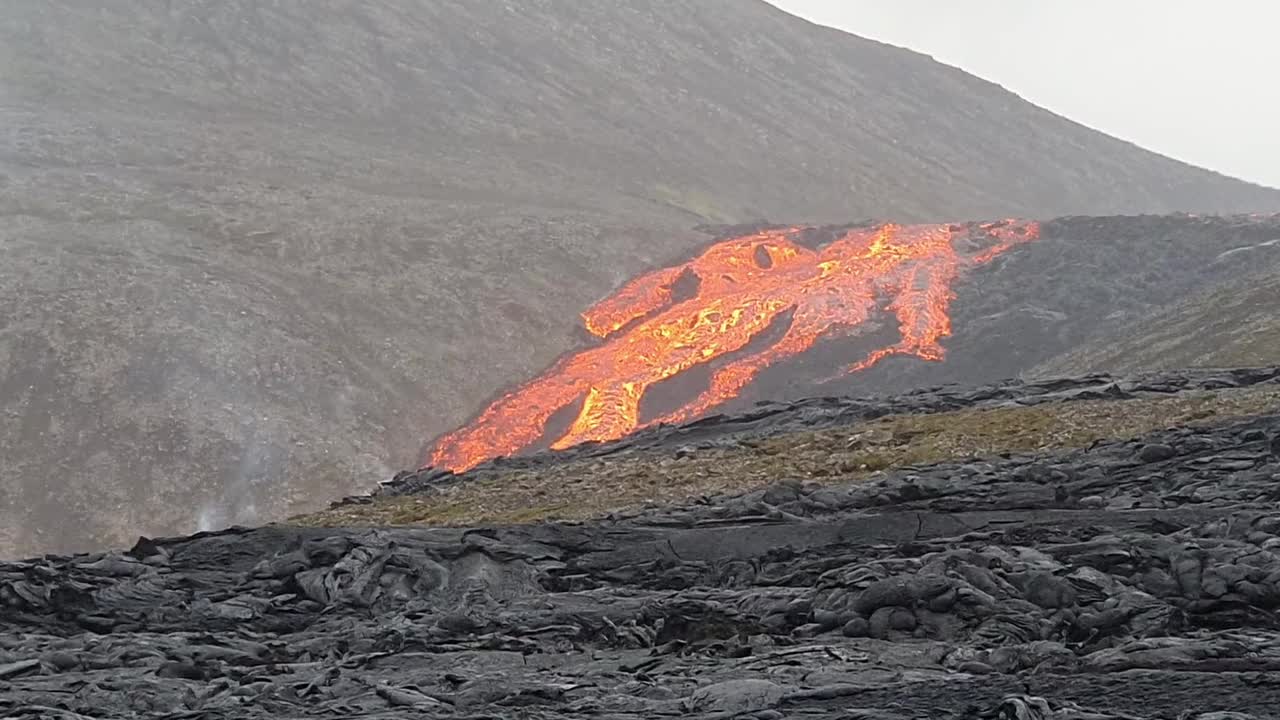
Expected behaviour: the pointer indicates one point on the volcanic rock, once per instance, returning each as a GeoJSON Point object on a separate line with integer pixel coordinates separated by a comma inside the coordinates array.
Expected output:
{"type": "Point", "coordinates": [1156, 453]}
{"type": "Point", "coordinates": [869, 604]}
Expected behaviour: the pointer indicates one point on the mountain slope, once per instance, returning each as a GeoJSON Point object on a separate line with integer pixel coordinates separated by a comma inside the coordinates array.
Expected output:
{"type": "Point", "coordinates": [1232, 323]}
{"type": "Point", "coordinates": [666, 101]}
{"type": "Point", "coordinates": [252, 252]}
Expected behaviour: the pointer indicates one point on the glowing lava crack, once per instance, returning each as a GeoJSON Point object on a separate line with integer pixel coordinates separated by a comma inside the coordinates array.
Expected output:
{"type": "Point", "coordinates": [652, 332]}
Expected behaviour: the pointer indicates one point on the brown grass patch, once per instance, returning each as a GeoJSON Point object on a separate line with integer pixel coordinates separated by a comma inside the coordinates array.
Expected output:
{"type": "Point", "coordinates": [584, 489]}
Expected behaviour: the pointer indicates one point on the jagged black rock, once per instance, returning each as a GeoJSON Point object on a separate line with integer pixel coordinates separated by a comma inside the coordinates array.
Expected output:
{"type": "Point", "coordinates": [1137, 578]}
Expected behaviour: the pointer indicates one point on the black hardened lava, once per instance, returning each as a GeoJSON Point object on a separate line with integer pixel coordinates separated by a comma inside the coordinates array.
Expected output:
{"type": "Point", "coordinates": [1138, 578]}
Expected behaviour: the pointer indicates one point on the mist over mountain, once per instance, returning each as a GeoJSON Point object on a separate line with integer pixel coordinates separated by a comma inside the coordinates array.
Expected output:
{"type": "Point", "coordinates": [256, 254]}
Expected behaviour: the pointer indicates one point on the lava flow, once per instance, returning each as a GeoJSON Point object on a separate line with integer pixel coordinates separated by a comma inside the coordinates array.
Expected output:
{"type": "Point", "coordinates": [652, 331]}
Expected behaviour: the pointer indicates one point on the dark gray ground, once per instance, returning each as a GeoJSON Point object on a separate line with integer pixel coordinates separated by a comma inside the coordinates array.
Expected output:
{"type": "Point", "coordinates": [1133, 579]}
{"type": "Point", "coordinates": [255, 255]}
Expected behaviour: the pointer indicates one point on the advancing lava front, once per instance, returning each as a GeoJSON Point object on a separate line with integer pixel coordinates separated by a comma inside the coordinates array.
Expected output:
{"type": "Point", "coordinates": [651, 332]}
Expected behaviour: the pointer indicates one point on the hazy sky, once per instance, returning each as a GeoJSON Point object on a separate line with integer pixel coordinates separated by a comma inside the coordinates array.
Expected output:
{"type": "Point", "coordinates": [1198, 80]}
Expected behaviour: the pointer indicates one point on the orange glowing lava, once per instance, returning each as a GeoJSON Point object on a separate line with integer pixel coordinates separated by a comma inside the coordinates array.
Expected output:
{"type": "Point", "coordinates": [651, 332]}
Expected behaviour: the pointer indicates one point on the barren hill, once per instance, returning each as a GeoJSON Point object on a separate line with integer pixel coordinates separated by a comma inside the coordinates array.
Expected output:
{"type": "Point", "coordinates": [255, 254]}
{"type": "Point", "coordinates": [1231, 322]}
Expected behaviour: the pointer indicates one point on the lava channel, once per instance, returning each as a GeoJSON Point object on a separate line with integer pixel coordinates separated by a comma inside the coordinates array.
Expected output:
{"type": "Point", "coordinates": [651, 332]}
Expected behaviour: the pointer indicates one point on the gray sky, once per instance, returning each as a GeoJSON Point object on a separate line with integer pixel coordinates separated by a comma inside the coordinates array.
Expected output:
{"type": "Point", "coordinates": [1198, 80]}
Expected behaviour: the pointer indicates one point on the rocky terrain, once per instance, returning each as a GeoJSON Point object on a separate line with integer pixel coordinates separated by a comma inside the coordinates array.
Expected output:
{"type": "Point", "coordinates": [1134, 575]}
{"type": "Point", "coordinates": [254, 255]}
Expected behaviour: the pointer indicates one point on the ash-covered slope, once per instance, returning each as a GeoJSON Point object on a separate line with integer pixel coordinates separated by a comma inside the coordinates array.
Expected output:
{"type": "Point", "coordinates": [253, 250]}
{"type": "Point", "coordinates": [660, 101]}
{"type": "Point", "coordinates": [1135, 578]}
{"type": "Point", "coordinates": [1233, 322]}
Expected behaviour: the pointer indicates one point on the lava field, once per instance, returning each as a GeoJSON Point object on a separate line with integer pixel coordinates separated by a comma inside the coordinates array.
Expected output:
{"type": "Point", "coordinates": [1135, 578]}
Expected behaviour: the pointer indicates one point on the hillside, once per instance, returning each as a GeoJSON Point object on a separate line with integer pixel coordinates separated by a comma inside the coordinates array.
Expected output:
{"type": "Point", "coordinates": [1042, 550]}
{"type": "Point", "coordinates": [1230, 323]}
{"type": "Point", "coordinates": [254, 255]}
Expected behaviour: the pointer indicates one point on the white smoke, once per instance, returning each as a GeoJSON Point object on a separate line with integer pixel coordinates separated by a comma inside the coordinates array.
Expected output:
{"type": "Point", "coordinates": [260, 462]}
{"type": "Point", "coordinates": [208, 518]}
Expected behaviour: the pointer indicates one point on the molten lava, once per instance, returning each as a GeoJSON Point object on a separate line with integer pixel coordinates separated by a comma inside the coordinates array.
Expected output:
{"type": "Point", "coordinates": [651, 331]}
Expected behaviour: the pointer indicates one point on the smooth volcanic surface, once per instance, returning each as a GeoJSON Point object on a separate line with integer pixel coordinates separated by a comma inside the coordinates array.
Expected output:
{"type": "Point", "coordinates": [255, 255]}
